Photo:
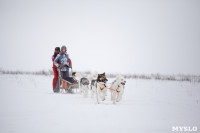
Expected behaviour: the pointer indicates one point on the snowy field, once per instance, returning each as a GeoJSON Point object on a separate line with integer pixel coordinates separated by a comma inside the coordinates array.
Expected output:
{"type": "Point", "coordinates": [28, 105]}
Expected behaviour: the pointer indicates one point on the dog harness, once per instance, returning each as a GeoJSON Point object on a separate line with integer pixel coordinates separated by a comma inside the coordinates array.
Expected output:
{"type": "Point", "coordinates": [102, 88]}
{"type": "Point", "coordinates": [115, 89]}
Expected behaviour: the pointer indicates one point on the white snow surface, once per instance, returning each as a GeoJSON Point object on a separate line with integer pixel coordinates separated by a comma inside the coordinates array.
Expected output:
{"type": "Point", "coordinates": [28, 105]}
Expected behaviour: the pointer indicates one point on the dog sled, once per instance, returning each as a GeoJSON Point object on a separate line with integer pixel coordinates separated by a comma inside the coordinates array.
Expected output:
{"type": "Point", "coordinates": [68, 84]}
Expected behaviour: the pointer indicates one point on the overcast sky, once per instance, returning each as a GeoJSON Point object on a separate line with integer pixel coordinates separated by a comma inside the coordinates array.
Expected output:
{"type": "Point", "coordinates": [124, 36]}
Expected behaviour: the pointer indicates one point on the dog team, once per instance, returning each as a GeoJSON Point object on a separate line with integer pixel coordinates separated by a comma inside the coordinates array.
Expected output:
{"type": "Point", "coordinates": [98, 86]}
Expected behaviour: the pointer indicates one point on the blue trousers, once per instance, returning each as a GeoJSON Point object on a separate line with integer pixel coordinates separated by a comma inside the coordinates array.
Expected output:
{"type": "Point", "coordinates": [63, 74]}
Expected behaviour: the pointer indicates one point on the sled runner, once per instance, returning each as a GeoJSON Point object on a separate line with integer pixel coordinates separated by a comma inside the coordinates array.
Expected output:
{"type": "Point", "coordinates": [67, 84]}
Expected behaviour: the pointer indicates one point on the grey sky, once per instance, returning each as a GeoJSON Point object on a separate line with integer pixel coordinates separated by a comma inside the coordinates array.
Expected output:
{"type": "Point", "coordinates": [125, 36]}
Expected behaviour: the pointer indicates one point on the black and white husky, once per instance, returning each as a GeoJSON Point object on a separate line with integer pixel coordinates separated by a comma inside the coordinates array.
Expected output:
{"type": "Point", "coordinates": [93, 84]}
{"type": "Point", "coordinates": [117, 89]}
{"type": "Point", "coordinates": [83, 84]}
{"type": "Point", "coordinates": [99, 86]}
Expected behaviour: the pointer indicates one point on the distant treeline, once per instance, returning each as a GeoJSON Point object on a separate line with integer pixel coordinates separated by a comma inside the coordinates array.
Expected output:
{"type": "Point", "coordinates": [177, 77]}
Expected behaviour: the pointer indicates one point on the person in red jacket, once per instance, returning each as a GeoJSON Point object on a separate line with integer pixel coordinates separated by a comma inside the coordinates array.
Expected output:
{"type": "Point", "coordinates": [55, 72]}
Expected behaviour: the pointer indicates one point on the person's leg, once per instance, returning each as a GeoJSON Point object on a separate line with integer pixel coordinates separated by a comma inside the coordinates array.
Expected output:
{"type": "Point", "coordinates": [55, 79]}
{"type": "Point", "coordinates": [67, 73]}
{"type": "Point", "coordinates": [57, 85]}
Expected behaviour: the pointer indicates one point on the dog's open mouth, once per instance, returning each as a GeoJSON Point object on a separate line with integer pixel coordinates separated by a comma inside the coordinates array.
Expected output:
{"type": "Point", "coordinates": [123, 83]}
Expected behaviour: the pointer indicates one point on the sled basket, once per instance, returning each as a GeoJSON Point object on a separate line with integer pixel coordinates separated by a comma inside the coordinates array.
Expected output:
{"type": "Point", "coordinates": [67, 83]}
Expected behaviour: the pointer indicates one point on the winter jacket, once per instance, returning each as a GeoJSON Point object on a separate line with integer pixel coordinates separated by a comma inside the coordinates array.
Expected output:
{"type": "Point", "coordinates": [53, 58]}
{"type": "Point", "coordinates": [62, 58]}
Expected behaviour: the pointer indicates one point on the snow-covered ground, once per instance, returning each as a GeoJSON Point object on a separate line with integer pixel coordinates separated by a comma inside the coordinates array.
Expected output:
{"type": "Point", "coordinates": [28, 105]}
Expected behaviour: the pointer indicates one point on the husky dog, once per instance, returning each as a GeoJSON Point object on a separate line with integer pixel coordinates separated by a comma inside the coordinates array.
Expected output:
{"type": "Point", "coordinates": [92, 84]}
{"type": "Point", "coordinates": [84, 86]}
{"type": "Point", "coordinates": [100, 86]}
{"type": "Point", "coordinates": [117, 89]}
{"type": "Point", "coordinates": [83, 83]}
{"type": "Point", "coordinates": [74, 74]}
{"type": "Point", "coordinates": [93, 87]}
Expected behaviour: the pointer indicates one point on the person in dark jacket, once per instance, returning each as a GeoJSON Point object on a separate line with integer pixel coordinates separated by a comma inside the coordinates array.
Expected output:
{"type": "Point", "coordinates": [55, 72]}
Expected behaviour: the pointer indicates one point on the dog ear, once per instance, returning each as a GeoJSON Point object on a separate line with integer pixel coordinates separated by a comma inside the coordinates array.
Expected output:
{"type": "Point", "coordinates": [74, 74]}
{"type": "Point", "coordinates": [104, 73]}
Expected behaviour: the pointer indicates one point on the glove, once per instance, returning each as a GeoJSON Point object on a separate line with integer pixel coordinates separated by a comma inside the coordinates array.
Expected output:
{"type": "Point", "coordinates": [66, 66]}
{"type": "Point", "coordinates": [61, 66]}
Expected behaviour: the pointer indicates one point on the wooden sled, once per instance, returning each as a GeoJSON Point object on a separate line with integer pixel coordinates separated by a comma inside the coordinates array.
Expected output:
{"type": "Point", "coordinates": [68, 84]}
